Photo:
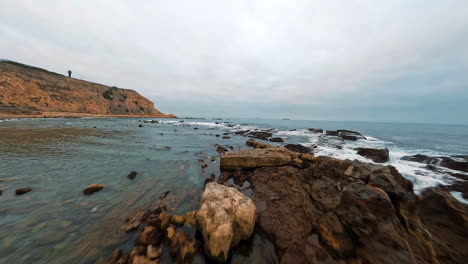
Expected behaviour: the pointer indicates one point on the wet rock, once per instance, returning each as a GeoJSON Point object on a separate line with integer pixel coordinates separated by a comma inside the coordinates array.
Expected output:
{"type": "Point", "coordinates": [376, 155]}
{"type": "Point", "coordinates": [116, 257]}
{"type": "Point", "coordinates": [264, 135]}
{"type": "Point", "coordinates": [252, 158]}
{"type": "Point", "coordinates": [140, 125]}
{"type": "Point", "coordinates": [93, 188]}
{"type": "Point", "coordinates": [226, 137]}
{"type": "Point", "coordinates": [255, 144]}
{"type": "Point", "coordinates": [276, 139]}
{"type": "Point", "coordinates": [153, 252]}
{"type": "Point", "coordinates": [316, 130]}
{"type": "Point", "coordinates": [22, 191]}
{"type": "Point", "coordinates": [459, 163]}
{"type": "Point", "coordinates": [333, 133]}
{"type": "Point", "coordinates": [132, 175]}
{"type": "Point", "coordinates": [132, 223]}
{"type": "Point", "coordinates": [220, 149]}
{"type": "Point", "coordinates": [1, 192]}
{"type": "Point", "coordinates": [209, 179]}
{"type": "Point", "coordinates": [242, 132]}
{"type": "Point", "coordinates": [204, 165]}
{"type": "Point", "coordinates": [225, 217]}
{"type": "Point", "coordinates": [178, 220]}
{"type": "Point", "coordinates": [217, 135]}
{"type": "Point", "coordinates": [349, 137]}
{"type": "Point", "coordinates": [298, 148]}
{"type": "Point", "coordinates": [195, 128]}
{"type": "Point", "coordinates": [182, 247]}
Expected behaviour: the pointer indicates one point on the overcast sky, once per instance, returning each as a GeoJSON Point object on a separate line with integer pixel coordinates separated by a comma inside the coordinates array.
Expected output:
{"type": "Point", "coordinates": [356, 60]}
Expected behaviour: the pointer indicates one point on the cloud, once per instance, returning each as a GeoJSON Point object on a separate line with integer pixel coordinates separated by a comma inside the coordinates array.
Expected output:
{"type": "Point", "coordinates": [285, 58]}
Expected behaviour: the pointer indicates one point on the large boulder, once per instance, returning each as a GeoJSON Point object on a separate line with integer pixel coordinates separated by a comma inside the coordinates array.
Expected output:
{"type": "Point", "coordinates": [376, 155]}
{"type": "Point", "coordinates": [253, 158]}
{"type": "Point", "coordinates": [225, 217]}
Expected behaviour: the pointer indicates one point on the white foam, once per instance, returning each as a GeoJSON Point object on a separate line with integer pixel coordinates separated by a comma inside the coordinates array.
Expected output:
{"type": "Point", "coordinates": [459, 197]}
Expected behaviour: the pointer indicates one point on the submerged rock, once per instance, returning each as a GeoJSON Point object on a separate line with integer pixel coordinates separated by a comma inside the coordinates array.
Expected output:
{"type": "Point", "coordinates": [225, 217]}
{"type": "Point", "coordinates": [22, 191]}
{"type": "Point", "coordinates": [376, 155]}
{"type": "Point", "coordinates": [132, 175]}
{"type": "Point", "coordinates": [316, 130]}
{"type": "Point", "coordinates": [93, 188]}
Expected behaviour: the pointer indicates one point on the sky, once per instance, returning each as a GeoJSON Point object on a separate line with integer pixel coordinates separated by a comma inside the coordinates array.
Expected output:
{"type": "Point", "coordinates": [354, 60]}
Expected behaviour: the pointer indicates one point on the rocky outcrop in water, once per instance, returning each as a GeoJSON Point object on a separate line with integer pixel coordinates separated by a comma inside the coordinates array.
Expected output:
{"type": "Point", "coordinates": [459, 163]}
{"type": "Point", "coordinates": [31, 91]}
{"type": "Point", "coordinates": [376, 155]}
{"type": "Point", "coordinates": [342, 211]}
{"type": "Point", "coordinates": [93, 188]}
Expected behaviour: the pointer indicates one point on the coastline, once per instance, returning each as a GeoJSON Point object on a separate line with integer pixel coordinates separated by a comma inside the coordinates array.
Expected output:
{"type": "Point", "coordinates": [75, 115]}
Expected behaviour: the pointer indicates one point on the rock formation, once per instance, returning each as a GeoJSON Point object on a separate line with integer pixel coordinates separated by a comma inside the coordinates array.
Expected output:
{"type": "Point", "coordinates": [30, 91]}
{"type": "Point", "coordinates": [225, 217]}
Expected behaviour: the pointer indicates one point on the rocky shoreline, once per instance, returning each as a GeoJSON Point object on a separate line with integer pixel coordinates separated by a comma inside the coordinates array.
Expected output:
{"type": "Point", "coordinates": [304, 209]}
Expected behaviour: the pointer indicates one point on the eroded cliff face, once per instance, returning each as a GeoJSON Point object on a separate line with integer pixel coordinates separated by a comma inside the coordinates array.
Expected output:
{"type": "Point", "coordinates": [29, 91]}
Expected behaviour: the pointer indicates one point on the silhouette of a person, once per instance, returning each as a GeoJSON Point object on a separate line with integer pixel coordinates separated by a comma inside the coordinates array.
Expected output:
{"type": "Point", "coordinates": [69, 73]}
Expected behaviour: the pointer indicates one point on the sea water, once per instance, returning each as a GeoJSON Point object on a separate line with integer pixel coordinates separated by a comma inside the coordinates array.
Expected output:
{"type": "Point", "coordinates": [58, 158]}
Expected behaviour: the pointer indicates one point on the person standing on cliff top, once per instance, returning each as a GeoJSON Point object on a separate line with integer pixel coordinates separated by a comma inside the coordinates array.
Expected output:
{"type": "Point", "coordinates": [69, 73]}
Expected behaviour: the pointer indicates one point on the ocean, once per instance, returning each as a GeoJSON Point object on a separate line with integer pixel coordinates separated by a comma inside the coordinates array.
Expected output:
{"type": "Point", "coordinates": [58, 158]}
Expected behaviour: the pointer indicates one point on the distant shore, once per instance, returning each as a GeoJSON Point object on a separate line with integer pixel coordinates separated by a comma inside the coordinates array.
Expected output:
{"type": "Point", "coordinates": [74, 115]}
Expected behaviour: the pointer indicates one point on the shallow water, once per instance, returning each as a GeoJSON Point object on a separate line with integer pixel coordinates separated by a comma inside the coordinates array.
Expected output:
{"type": "Point", "coordinates": [56, 223]}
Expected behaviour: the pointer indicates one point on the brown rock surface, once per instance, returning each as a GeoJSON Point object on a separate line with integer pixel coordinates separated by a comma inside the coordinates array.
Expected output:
{"type": "Point", "coordinates": [29, 91]}
{"type": "Point", "coordinates": [342, 211]}
{"type": "Point", "coordinates": [253, 158]}
{"type": "Point", "coordinates": [93, 188]}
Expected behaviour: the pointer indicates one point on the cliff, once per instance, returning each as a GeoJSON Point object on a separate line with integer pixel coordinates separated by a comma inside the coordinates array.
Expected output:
{"type": "Point", "coordinates": [27, 91]}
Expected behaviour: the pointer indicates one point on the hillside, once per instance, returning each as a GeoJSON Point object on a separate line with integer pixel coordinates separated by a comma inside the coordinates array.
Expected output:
{"type": "Point", "coordinates": [27, 91]}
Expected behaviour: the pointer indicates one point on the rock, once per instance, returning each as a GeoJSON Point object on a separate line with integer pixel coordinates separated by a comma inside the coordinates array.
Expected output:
{"type": "Point", "coordinates": [225, 217]}
{"type": "Point", "coordinates": [242, 132]}
{"type": "Point", "coordinates": [153, 253]}
{"type": "Point", "coordinates": [276, 139]}
{"type": "Point", "coordinates": [255, 144]}
{"type": "Point", "coordinates": [178, 220]}
{"type": "Point", "coordinates": [220, 149]}
{"type": "Point", "coordinates": [260, 135]}
{"type": "Point", "coordinates": [116, 256]}
{"type": "Point", "coordinates": [204, 165]}
{"type": "Point", "coordinates": [446, 219]}
{"type": "Point", "coordinates": [1, 192]}
{"type": "Point", "coordinates": [140, 125]}
{"type": "Point", "coordinates": [93, 188]}
{"type": "Point", "coordinates": [133, 222]}
{"type": "Point", "coordinates": [316, 130]}
{"type": "Point", "coordinates": [22, 191]}
{"type": "Point", "coordinates": [252, 158]}
{"type": "Point", "coordinates": [226, 137]}
{"type": "Point", "coordinates": [132, 175]}
{"type": "Point", "coordinates": [298, 148]}
{"type": "Point", "coordinates": [332, 133]}
{"type": "Point", "coordinates": [376, 155]}
{"type": "Point", "coordinates": [217, 135]}
{"type": "Point", "coordinates": [348, 137]}
{"type": "Point", "coordinates": [459, 163]}
{"type": "Point", "coordinates": [182, 246]}
{"type": "Point", "coordinates": [209, 179]}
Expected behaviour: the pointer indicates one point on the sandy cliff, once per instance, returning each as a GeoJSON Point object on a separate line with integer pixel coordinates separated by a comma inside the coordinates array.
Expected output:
{"type": "Point", "coordinates": [29, 91]}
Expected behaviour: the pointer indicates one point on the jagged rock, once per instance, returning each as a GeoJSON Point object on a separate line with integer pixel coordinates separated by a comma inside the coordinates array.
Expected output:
{"type": "Point", "coordinates": [446, 219]}
{"type": "Point", "coordinates": [376, 155]}
{"type": "Point", "coordinates": [332, 133]}
{"type": "Point", "coordinates": [93, 188]}
{"type": "Point", "coordinates": [459, 163]}
{"type": "Point", "coordinates": [22, 191]}
{"type": "Point", "coordinates": [316, 130]}
{"type": "Point", "coordinates": [255, 144]}
{"type": "Point", "coordinates": [260, 135]}
{"type": "Point", "coordinates": [298, 148]}
{"type": "Point", "coordinates": [276, 139]}
{"type": "Point", "coordinates": [225, 217]}
{"type": "Point", "coordinates": [178, 220]}
{"type": "Point", "coordinates": [252, 158]}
